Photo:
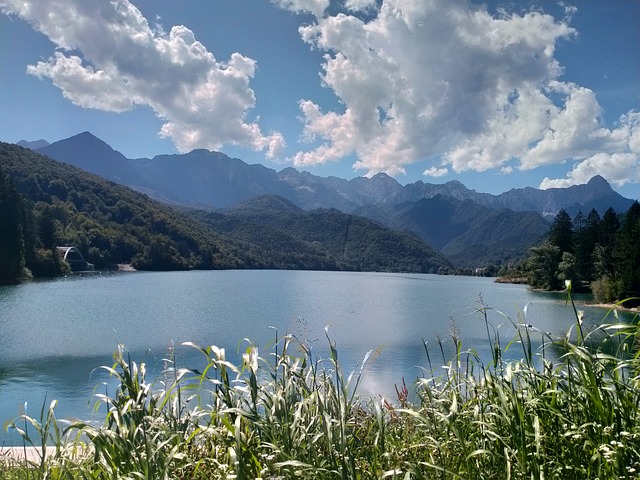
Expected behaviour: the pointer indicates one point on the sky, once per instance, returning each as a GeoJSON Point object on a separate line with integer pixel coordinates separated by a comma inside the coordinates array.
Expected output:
{"type": "Point", "coordinates": [497, 95]}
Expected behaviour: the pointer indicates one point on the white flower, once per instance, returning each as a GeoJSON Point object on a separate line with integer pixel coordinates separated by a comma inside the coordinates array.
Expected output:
{"type": "Point", "coordinates": [218, 352]}
{"type": "Point", "coordinates": [250, 358]}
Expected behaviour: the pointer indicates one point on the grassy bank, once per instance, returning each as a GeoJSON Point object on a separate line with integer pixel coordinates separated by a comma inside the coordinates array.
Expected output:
{"type": "Point", "coordinates": [290, 415]}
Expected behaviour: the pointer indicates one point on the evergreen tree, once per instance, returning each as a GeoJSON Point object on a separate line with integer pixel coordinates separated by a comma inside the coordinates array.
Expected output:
{"type": "Point", "coordinates": [590, 237]}
{"type": "Point", "coordinates": [609, 227]}
{"type": "Point", "coordinates": [47, 227]}
{"type": "Point", "coordinates": [580, 245]}
{"type": "Point", "coordinates": [561, 233]}
{"type": "Point", "coordinates": [628, 251]}
{"type": "Point", "coordinates": [12, 248]}
{"type": "Point", "coordinates": [605, 258]}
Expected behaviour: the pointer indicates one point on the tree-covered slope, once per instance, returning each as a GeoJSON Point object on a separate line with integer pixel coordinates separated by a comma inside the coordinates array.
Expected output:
{"type": "Point", "coordinates": [467, 233]}
{"type": "Point", "coordinates": [351, 242]}
{"type": "Point", "coordinates": [110, 223]}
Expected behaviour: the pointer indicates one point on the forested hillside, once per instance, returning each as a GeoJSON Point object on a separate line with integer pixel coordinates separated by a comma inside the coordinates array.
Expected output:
{"type": "Point", "coordinates": [352, 242]}
{"type": "Point", "coordinates": [110, 224]}
{"type": "Point", "coordinates": [468, 234]}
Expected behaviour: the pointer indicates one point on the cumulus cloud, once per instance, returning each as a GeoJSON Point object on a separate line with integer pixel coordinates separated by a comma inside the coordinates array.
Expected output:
{"type": "Point", "coordinates": [436, 172]}
{"type": "Point", "coordinates": [620, 165]}
{"type": "Point", "coordinates": [360, 5]}
{"type": "Point", "coordinates": [316, 7]}
{"type": "Point", "coordinates": [109, 58]}
{"type": "Point", "coordinates": [449, 82]}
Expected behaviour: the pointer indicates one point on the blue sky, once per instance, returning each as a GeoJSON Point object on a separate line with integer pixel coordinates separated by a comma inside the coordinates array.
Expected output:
{"type": "Point", "coordinates": [497, 95]}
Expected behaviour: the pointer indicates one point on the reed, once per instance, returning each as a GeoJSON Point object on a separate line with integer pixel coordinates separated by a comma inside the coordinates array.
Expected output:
{"type": "Point", "coordinates": [290, 414]}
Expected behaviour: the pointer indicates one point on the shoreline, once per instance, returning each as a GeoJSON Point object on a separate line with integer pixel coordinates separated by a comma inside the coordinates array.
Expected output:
{"type": "Point", "coordinates": [605, 306]}
{"type": "Point", "coordinates": [21, 454]}
{"type": "Point", "coordinates": [614, 306]}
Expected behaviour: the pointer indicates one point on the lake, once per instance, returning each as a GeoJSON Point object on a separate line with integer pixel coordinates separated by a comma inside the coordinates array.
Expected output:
{"type": "Point", "coordinates": [54, 334]}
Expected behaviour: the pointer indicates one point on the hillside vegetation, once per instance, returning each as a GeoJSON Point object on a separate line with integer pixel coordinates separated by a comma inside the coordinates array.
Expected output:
{"type": "Point", "coordinates": [601, 253]}
{"type": "Point", "coordinates": [467, 233]}
{"type": "Point", "coordinates": [110, 224]}
{"type": "Point", "coordinates": [352, 242]}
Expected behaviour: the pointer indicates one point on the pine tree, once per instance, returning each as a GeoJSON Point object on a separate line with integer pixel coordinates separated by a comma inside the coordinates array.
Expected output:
{"type": "Point", "coordinates": [12, 249]}
{"type": "Point", "coordinates": [628, 251]}
{"type": "Point", "coordinates": [605, 252]}
{"type": "Point", "coordinates": [561, 232]}
{"type": "Point", "coordinates": [581, 246]}
{"type": "Point", "coordinates": [590, 238]}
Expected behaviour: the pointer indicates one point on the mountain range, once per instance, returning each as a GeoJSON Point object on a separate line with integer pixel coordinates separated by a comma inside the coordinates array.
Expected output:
{"type": "Point", "coordinates": [211, 179]}
{"type": "Point", "coordinates": [469, 227]}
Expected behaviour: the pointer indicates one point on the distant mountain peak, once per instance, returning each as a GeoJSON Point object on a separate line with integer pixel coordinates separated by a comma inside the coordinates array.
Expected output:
{"type": "Point", "coordinates": [83, 142]}
{"type": "Point", "coordinates": [199, 151]}
{"type": "Point", "coordinates": [381, 175]}
{"type": "Point", "coordinates": [458, 183]}
{"type": "Point", "coordinates": [33, 145]}
{"type": "Point", "coordinates": [598, 181]}
{"type": "Point", "coordinates": [86, 136]}
{"type": "Point", "coordinates": [289, 171]}
{"type": "Point", "coordinates": [94, 155]}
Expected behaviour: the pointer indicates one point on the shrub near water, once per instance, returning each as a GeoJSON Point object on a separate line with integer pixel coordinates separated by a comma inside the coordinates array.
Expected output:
{"type": "Point", "coordinates": [291, 415]}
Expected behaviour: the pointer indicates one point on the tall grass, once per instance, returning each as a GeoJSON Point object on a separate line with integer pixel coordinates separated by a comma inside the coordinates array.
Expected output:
{"type": "Point", "coordinates": [290, 414]}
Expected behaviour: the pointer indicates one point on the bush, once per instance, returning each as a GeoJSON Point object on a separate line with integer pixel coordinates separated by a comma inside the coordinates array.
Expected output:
{"type": "Point", "coordinates": [606, 290]}
{"type": "Point", "coordinates": [48, 263]}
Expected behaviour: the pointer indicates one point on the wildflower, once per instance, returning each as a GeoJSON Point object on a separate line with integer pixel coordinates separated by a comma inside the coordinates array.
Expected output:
{"type": "Point", "coordinates": [250, 358]}
{"type": "Point", "coordinates": [606, 451]}
{"type": "Point", "coordinates": [218, 352]}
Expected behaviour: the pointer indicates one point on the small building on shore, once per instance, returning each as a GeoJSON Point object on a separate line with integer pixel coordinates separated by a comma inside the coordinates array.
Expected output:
{"type": "Point", "coordinates": [74, 259]}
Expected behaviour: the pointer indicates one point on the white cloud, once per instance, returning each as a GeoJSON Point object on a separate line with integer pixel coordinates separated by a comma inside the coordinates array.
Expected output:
{"type": "Point", "coordinates": [360, 5]}
{"type": "Point", "coordinates": [316, 7]}
{"type": "Point", "coordinates": [446, 79]}
{"type": "Point", "coordinates": [436, 172]}
{"type": "Point", "coordinates": [574, 131]}
{"type": "Point", "coordinates": [620, 167]}
{"type": "Point", "coordinates": [109, 58]}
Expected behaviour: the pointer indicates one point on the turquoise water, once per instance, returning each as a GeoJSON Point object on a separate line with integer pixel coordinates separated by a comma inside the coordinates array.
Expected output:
{"type": "Point", "coordinates": [55, 334]}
